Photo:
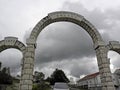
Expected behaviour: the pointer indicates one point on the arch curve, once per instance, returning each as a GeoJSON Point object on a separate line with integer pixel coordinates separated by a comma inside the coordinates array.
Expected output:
{"type": "Point", "coordinates": [12, 42]}
{"type": "Point", "coordinates": [69, 17]}
{"type": "Point", "coordinates": [114, 46]}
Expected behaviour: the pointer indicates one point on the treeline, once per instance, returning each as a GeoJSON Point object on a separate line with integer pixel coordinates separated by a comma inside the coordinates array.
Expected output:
{"type": "Point", "coordinates": [5, 77]}
{"type": "Point", "coordinates": [57, 76]}
{"type": "Point", "coordinates": [40, 83]}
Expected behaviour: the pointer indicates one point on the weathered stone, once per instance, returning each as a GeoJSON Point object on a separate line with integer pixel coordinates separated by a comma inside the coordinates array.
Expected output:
{"type": "Point", "coordinates": [26, 66]}
{"type": "Point", "coordinates": [28, 60]}
{"type": "Point", "coordinates": [26, 76]}
{"type": "Point", "coordinates": [27, 71]}
{"type": "Point", "coordinates": [24, 87]}
{"type": "Point", "coordinates": [24, 82]}
{"type": "Point", "coordinates": [10, 40]}
{"type": "Point", "coordinates": [30, 41]}
{"type": "Point", "coordinates": [30, 87]}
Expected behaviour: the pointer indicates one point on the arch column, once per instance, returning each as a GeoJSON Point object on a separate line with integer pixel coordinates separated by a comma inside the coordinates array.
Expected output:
{"type": "Point", "coordinates": [104, 68]}
{"type": "Point", "coordinates": [28, 67]}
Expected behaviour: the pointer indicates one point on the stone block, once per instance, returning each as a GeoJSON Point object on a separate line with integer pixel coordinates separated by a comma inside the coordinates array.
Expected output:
{"type": "Point", "coordinates": [28, 60]}
{"type": "Point", "coordinates": [26, 76]}
{"type": "Point", "coordinates": [31, 41]}
{"type": "Point", "coordinates": [10, 40]}
{"type": "Point", "coordinates": [27, 71]}
{"type": "Point", "coordinates": [104, 88]}
{"type": "Point", "coordinates": [26, 82]}
{"type": "Point", "coordinates": [31, 65]}
{"type": "Point", "coordinates": [114, 45]}
{"type": "Point", "coordinates": [23, 48]}
{"type": "Point", "coordinates": [110, 88]}
{"type": "Point", "coordinates": [109, 83]}
{"type": "Point", "coordinates": [106, 70]}
{"type": "Point", "coordinates": [31, 49]}
{"type": "Point", "coordinates": [99, 43]}
{"type": "Point", "coordinates": [108, 79]}
{"type": "Point", "coordinates": [65, 15]}
{"type": "Point", "coordinates": [26, 66]}
{"type": "Point", "coordinates": [31, 77]}
{"type": "Point", "coordinates": [1, 43]}
{"type": "Point", "coordinates": [29, 54]}
{"type": "Point", "coordinates": [105, 65]}
{"type": "Point", "coordinates": [30, 87]}
{"type": "Point", "coordinates": [20, 45]}
{"type": "Point", "coordinates": [24, 87]}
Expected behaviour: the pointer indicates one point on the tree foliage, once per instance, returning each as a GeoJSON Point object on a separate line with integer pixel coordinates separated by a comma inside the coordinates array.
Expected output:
{"type": "Point", "coordinates": [41, 86]}
{"type": "Point", "coordinates": [57, 76]}
{"type": "Point", "coordinates": [39, 76]}
{"type": "Point", "coordinates": [5, 78]}
{"type": "Point", "coordinates": [39, 82]}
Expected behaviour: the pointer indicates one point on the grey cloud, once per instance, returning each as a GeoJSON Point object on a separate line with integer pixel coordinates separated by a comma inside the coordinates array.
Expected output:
{"type": "Point", "coordinates": [103, 20]}
{"type": "Point", "coordinates": [74, 67]}
{"type": "Point", "coordinates": [11, 58]}
{"type": "Point", "coordinates": [62, 41]}
{"type": "Point", "coordinates": [107, 24]}
{"type": "Point", "coordinates": [84, 68]}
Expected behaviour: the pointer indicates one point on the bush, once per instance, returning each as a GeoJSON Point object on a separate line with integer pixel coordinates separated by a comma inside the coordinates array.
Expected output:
{"type": "Point", "coordinates": [41, 86]}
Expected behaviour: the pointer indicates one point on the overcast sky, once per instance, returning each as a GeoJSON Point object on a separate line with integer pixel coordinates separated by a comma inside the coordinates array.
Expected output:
{"type": "Point", "coordinates": [60, 45]}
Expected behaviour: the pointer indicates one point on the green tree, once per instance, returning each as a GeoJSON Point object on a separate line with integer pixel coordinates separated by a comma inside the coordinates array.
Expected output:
{"type": "Point", "coordinates": [57, 76]}
{"type": "Point", "coordinates": [5, 77]}
{"type": "Point", "coordinates": [41, 86]}
{"type": "Point", "coordinates": [39, 76]}
{"type": "Point", "coordinates": [40, 83]}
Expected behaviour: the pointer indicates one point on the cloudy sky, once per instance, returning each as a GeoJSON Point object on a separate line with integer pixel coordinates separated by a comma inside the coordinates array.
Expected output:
{"type": "Point", "coordinates": [60, 45]}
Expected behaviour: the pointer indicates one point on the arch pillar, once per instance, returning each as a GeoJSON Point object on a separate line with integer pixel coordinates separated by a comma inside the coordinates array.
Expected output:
{"type": "Point", "coordinates": [28, 67]}
{"type": "Point", "coordinates": [104, 68]}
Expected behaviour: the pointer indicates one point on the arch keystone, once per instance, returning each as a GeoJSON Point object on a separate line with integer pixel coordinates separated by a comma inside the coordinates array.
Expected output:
{"type": "Point", "coordinates": [10, 40]}
{"type": "Point", "coordinates": [114, 44]}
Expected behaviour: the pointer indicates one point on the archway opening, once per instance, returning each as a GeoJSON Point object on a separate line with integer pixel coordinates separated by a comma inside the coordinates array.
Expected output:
{"type": "Point", "coordinates": [66, 46]}
{"type": "Point", "coordinates": [114, 59]}
{"type": "Point", "coordinates": [12, 58]}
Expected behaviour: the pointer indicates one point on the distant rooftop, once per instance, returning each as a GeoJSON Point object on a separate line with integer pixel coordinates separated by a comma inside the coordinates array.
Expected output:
{"type": "Point", "coordinates": [89, 76]}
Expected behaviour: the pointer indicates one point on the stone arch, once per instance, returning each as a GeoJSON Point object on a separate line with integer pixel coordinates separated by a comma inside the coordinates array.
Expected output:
{"type": "Point", "coordinates": [13, 42]}
{"type": "Point", "coordinates": [113, 46]}
{"type": "Point", "coordinates": [98, 42]}
{"type": "Point", "coordinates": [69, 17]}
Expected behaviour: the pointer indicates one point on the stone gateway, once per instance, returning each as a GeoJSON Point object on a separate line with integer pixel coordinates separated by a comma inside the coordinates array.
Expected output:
{"type": "Point", "coordinates": [29, 51]}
